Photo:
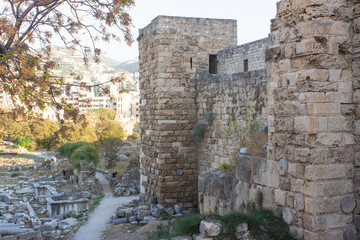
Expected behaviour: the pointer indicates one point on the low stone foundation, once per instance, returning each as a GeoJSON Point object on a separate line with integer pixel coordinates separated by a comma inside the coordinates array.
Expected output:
{"type": "Point", "coordinates": [222, 193]}
{"type": "Point", "coordinates": [56, 208]}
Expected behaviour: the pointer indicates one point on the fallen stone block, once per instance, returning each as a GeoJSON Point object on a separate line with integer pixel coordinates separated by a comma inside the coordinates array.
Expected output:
{"type": "Point", "coordinates": [119, 221]}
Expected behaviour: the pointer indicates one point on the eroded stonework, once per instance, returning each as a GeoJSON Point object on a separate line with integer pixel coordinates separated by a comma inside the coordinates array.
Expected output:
{"type": "Point", "coordinates": [302, 82]}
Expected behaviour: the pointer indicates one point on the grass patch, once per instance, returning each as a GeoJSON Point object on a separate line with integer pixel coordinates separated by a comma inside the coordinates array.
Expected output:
{"type": "Point", "coordinates": [95, 203]}
{"type": "Point", "coordinates": [263, 224]}
{"type": "Point", "coordinates": [14, 175]}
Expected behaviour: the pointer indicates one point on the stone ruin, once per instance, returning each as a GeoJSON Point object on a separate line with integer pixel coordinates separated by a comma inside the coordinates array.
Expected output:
{"type": "Point", "coordinates": [302, 82]}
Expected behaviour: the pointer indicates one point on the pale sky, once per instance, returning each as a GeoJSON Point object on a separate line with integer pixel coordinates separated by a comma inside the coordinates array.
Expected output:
{"type": "Point", "coordinates": [253, 19]}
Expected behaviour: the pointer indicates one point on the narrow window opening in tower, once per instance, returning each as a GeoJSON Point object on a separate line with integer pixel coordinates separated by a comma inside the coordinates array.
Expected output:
{"type": "Point", "coordinates": [246, 65]}
{"type": "Point", "coordinates": [191, 62]}
{"type": "Point", "coordinates": [213, 64]}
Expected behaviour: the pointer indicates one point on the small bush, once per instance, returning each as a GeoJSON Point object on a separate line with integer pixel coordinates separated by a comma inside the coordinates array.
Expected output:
{"type": "Point", "coordinates": [228, 168]}
{"type": "Point", "coordinates": [136, 135]}
{"type": "Point", "coordinates": [68, 149]}
{"type": "Point", "coordinates": [188, 225]}
{"type": "Point", "coordinates": [134, 161]}
{"type": "Point", "coordinates": [86, 155]}
{"type": "Point", "coordinates": [23, 142]}
{"type": "Point", "coordinates": [14, 175]}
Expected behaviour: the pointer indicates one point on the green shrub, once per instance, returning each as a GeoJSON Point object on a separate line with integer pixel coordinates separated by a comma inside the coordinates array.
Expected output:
{"type": "Point", "coordinates": [86, 155]}
{"type": "Point", "coordinates": [228, 168]}
{"type": "Point", "coordinates": [187, 225]}
{"type": "Point", "coordinates": [14, 175]}
{"type": "Point", "coordinates": [68, 149]}
{"type": "Point", "coordinates": [23, 142]}
{"type": "Point", "coordinates": [80, 153]}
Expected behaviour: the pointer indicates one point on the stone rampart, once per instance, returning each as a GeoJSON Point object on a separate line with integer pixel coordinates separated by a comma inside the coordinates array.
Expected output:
{"type": "Point", "coordinates": [221, 98]}
{"type": "Point", "coordinates": [237, 59]}
{"type": "Point", "coordinates": [195, 81]}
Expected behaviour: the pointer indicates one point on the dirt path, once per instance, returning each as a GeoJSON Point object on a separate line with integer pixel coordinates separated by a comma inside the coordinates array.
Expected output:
{"type": "Point", "coordinates": [100, 218]}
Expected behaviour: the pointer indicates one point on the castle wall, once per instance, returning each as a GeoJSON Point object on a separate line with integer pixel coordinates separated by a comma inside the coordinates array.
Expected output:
{"type": "Point", "coordinates": [231, 60]}
{"type": "Point", "coordinates": [221, 98]}
{"type": "Point", "coordinates": [308, 96]}
{"type": "Point", "coordinates": [311, 130]}
{"type": "Point", "coordinates": [171, 50]}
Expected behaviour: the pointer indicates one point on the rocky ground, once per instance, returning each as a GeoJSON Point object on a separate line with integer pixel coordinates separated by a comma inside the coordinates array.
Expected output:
{"type": "Point", "coordinates": [27, 181]}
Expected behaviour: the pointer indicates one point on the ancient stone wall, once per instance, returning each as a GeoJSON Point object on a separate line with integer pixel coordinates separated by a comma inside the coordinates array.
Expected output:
{"type": "Point", "coordinates": [171, 51]}
{"type": "Point", "coordinates": [221, 98]}
{"type": "Point", "coordinates": [232, 60]}
{"type": "Point", "coordinates": [311, 113]}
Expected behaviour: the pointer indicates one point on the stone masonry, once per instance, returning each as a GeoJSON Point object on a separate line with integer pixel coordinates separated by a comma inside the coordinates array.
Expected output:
{"type": "Point", "coordinates": [171, 50]}
{"type": "Point", "coordinates": [302, 82]}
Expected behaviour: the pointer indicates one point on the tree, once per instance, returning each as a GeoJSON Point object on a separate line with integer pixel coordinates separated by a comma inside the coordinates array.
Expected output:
{"type": "Point", "coordinates": [25, 73]}
{"type": "Point", "coordinates": [109, 129]}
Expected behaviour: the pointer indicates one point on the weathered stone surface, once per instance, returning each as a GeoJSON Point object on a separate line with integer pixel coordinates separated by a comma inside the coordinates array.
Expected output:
{"type": "Point", "coordinates": [348, 204]}
{"type": "Point", "coordinates": [299, 202]}
{"type": "Point", "coordinates": [350, 233]}
{"type": "Point", "coordinates": [210, 229]}
{"type": "Point", "coordinates": [282, 167]}
{"type": "Point", "coordinates": [288, 215]}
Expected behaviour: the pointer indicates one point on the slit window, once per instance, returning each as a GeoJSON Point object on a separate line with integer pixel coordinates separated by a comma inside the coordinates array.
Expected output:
{"type": "Point", "coordinates": [246, 65]}
{"type": "Point", "coordinates": [213, 64]}
{"type": "Point", "coordinates": [191, 63]}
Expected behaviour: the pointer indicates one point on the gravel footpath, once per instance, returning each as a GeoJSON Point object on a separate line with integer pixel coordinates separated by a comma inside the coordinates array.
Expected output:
{"type": "Point", "coordinates": [100, 217]}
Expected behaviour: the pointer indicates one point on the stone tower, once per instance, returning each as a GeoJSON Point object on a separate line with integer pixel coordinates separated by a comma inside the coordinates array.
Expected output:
{"type": "Point", "coordinates": [172, 51]}
{"type": "Point", "coordinates": [313, 69]}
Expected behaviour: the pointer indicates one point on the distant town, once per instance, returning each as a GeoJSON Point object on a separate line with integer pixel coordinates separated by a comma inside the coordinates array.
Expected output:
{"type": "Point", "coordinates": [121, 95]}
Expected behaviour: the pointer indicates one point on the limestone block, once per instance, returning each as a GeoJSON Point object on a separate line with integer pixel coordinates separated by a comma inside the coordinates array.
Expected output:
{"type": "Point", "coordinates": [312, 97]}
{"type": "Point", "coordinates": [326, 205]}
{"type": "Point", "coordinates": [330, 171]}
{"type": "Point", "coordinates": [280, 197]}
{"type": "Point", "coordinates": [297, 170]}
{"type": "Point", "coordinates": [319, 75]}
{"type": "Point", "coordinates": [340, 123]}
{"type": "Point", "coordinates": [282, 167]}
{"type": "Point", "coordinates": [328, 221]}
{"type": "Point", "coordinates": [335, 75]}
{"type": "Point", "coordinates": [329, 139]}
{"type": "Point", "coordinates": [310, 124]}
{"type": "Point", "coordinates": [299, 202]}
{"type": "Point", "coordinates": [333, 188]}
{"type": "Point", "coordinates": [302, 186]}
{"type": "Point", "coordinates": [210, 229]}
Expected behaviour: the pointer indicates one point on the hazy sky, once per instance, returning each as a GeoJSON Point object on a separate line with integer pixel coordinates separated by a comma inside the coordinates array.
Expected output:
{"type": "Point", "coordinates": [253, 19]}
